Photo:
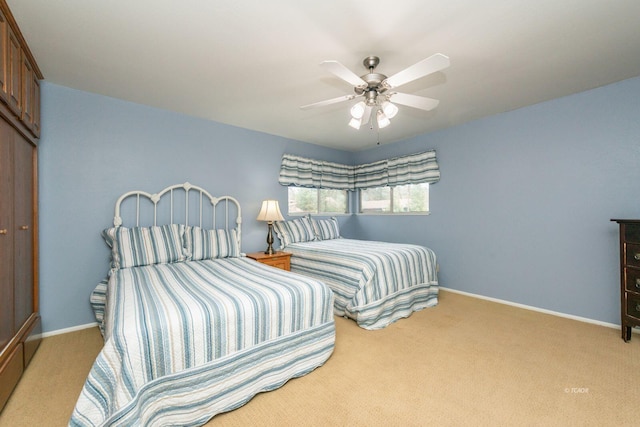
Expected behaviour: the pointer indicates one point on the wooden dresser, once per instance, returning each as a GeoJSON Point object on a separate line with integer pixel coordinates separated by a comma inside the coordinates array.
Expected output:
{"type": "Point", "coordinates": [19, 132]}
{"type": "Point", "coordinates": [629, 275]}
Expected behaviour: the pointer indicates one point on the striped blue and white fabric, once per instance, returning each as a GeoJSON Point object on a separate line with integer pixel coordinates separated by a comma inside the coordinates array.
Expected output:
{"type": "Point", "coordinates": [186, 341]}
{"type": "Point", "coordinates": [311, 173]}
{"type": "Point", "coordinates": [137, 246]}
{"type": "Point", "coordinates": [98, 300]}
{"type": "Point", "coordinates": [326, 229]}
{"type": "Point", "coordinates": [202, 243]}
{"type": "Point", "coordinates": [294, 230]}
{"type": "Point", "coordinates": [374, 283]}
{"type": "Point", "coordinates": [410, 169]}
{"type": "Point", "coordinates": [413, 169]}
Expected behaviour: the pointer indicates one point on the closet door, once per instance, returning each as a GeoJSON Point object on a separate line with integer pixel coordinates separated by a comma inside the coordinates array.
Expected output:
{"type": "Point", "coordinates": [23, 226]}
{"type": "Point", "coordinates": [6, 235]}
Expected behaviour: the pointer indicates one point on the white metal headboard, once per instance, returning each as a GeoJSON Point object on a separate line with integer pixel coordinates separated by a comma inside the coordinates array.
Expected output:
{"type": "Point", "coordinates": [188, 188]}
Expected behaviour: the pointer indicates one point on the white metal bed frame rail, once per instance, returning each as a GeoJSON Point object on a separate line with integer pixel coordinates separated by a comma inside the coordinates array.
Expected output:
{"type": "Point", "coordinates": [186, 187]}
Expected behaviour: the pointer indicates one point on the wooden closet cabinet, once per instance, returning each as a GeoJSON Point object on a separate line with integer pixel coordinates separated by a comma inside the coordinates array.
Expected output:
{"type": "Point", "coordinates": [19, 76]}
{"type": "Point", "coordinates": [20, 328]}
{"type": "Point", "coordinates": [19, 319]}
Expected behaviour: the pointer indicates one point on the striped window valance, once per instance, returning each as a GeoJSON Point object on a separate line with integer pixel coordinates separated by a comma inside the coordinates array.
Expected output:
{"type": "Point", "coordinates": [411, 169]}
{"type": "Point", "coordinates": [303, 172]}
{"type": "Point", "coordinates": [371, 175]}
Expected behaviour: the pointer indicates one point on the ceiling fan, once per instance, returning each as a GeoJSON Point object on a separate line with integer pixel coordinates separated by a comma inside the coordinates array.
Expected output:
{"type": "Point", "coordinates": [377, 90]}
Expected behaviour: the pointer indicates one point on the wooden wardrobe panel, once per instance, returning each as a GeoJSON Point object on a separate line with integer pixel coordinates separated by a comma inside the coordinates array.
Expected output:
{"type": "Point", "coordinates": [23, 226]}
{"type": "Point", "coordinates": [14, 79]}
{"type": "Point", "coordinates": [6, 239]}
{"type": "Point", "coordinates": [4, 59]}
{"type": "Point", "coordinates": [10, 372]}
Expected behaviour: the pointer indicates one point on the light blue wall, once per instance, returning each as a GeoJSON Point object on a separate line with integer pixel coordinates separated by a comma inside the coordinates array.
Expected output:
{"type": "Point", "coordinates": [95, 148]}
{"type": "Point", "coordinates": [522, 210]}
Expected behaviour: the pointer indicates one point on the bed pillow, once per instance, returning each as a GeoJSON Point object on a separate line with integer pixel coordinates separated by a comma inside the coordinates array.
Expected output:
{"type": "Point", "coordinates": [109, 236]}
{"type": "Point", "coordinates": [326, 229]}
{"type": "Point", "coordinates": [138, 246]}
{"type": "Point", "coordinates": [294, 231]}
{"type": "Point", "coordinates": [201, 243]}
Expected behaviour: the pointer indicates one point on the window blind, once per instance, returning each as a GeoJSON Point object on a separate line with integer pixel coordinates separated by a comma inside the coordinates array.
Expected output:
{"type": "Point", "coordinates": [411, 169]}
{"type": "Point", "coordinates": [310, 173]}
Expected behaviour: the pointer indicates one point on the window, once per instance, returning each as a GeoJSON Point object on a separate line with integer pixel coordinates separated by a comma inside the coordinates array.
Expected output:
{"type": "Point", "coordinates": [402, 199]}
{"type": "Point", "coordinates": [317, 201]}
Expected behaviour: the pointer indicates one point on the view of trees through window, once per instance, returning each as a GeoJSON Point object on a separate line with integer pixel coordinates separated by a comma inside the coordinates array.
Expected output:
{"type": "Point", "coordinates": [411, 198]}
{"type": "Point", "coordinates": [317, 201]}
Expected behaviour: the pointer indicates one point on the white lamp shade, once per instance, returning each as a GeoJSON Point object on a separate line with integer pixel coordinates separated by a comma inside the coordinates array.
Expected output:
{"type": "Point", "coordinates": [383, 120]}
{"type": "Point", "coordinates": [270, 211]}
{"type": "Point", "coordinates": [357, 111]}
{"type": "Point", "coordinates": [355, 123]}
{"type": "Point", "coordinates": [390, 110]}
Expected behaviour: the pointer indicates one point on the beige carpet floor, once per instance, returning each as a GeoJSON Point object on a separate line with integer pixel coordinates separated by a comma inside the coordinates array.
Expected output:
{"type": "Point", "coordinates": [465, 362]}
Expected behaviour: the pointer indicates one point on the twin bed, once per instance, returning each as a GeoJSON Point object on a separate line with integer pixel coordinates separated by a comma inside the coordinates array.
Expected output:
{"type": "Point", "coordinates": [192, 328]}
{"type": "Point", "coordinates": [374, 283]}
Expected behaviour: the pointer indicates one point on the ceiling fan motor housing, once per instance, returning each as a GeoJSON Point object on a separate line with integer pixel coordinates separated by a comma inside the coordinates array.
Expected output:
{"type": "Point", "coordinates": [374, 81]}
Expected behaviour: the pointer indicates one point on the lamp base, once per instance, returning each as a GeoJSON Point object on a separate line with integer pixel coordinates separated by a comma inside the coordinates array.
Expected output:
{"type": "Point", "coordinates": [270, 250]}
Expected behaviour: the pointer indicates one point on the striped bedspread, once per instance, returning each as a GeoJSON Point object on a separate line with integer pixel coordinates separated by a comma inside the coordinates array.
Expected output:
{"type": "Point", "coordinates": [189, 340]}
{"type": "Point", "coordinates": [374, 283]}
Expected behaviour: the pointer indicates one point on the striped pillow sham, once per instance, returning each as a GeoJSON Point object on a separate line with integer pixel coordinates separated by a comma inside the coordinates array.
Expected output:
{"type": "Point", "coordinates": [201, 243]}
{"type": "Point", "coordinates": [326, 229]}
{"type": "Point", "coordinates": [138, 246]}
{"type": "Point", "coordinates": [294, 231]}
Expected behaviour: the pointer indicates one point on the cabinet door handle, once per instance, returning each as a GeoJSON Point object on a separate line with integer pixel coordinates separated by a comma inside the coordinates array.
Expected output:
{"type": "Point", "coordinates": [3, 231]}
{"type": "Point", "coordinates": [26, 227]}
{"type": "Point", "coordinates": [638, 307]}
{"type": "Point", "coordinates": [638, 283]}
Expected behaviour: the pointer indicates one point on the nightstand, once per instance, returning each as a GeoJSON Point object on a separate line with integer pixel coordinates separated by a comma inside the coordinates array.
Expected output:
{"type": "Point", "coordinates": [278, 259]}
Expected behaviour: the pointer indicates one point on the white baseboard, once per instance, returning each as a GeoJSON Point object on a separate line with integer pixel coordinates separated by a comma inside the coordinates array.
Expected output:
{"type": "Point", "coordinates": [455, 291]}
{"type": "Point", "coordinates": [541, 310]}
{"type": "Point", "coordinates": [67, 330]}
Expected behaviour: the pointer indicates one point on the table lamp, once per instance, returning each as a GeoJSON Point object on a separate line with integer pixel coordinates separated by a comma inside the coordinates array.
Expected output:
{"type": "Point", "coordinates": [270, 212]}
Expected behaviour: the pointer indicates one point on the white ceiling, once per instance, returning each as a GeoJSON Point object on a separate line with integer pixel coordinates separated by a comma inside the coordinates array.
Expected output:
{"type": "Point", "coordinates": [252, 63]}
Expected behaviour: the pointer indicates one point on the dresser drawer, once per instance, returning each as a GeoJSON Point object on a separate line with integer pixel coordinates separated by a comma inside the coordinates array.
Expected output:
{"type": "Point", "coordinates": [282, 263]}
{"type": "Point", "coordinates": [279, 259]}
{"type": "Point", "coordinates": [632, 255]}
{"type": "Point", "coordinates": [632, 233]}
{"type": "Point", "coordinates": [632, 280]}
{"type": "Point", "coordinates": [633, 306]}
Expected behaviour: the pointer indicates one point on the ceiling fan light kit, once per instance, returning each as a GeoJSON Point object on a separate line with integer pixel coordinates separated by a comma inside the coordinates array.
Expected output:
{"type": "Point", "coordinates": [389, 109]}
{"type": "Point", "coordinates": [375, 88]}
{"type": "Point", "coordinates": [355, 123]}
{"type": "Point", "coordinates": [357, 111]}
{"type": "Point", "coordinates": [382, 119]}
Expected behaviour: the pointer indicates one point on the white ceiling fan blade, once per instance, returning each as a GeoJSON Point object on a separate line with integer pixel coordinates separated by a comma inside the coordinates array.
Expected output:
{"type": "Point", "coordinates": [414, 101]}
{"type": "Point", "coordinates": [328, 102]}
{"type": "Point", "coordinates": [429, 65]}
{"type": "Point", "coordinates": [334, 67]}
